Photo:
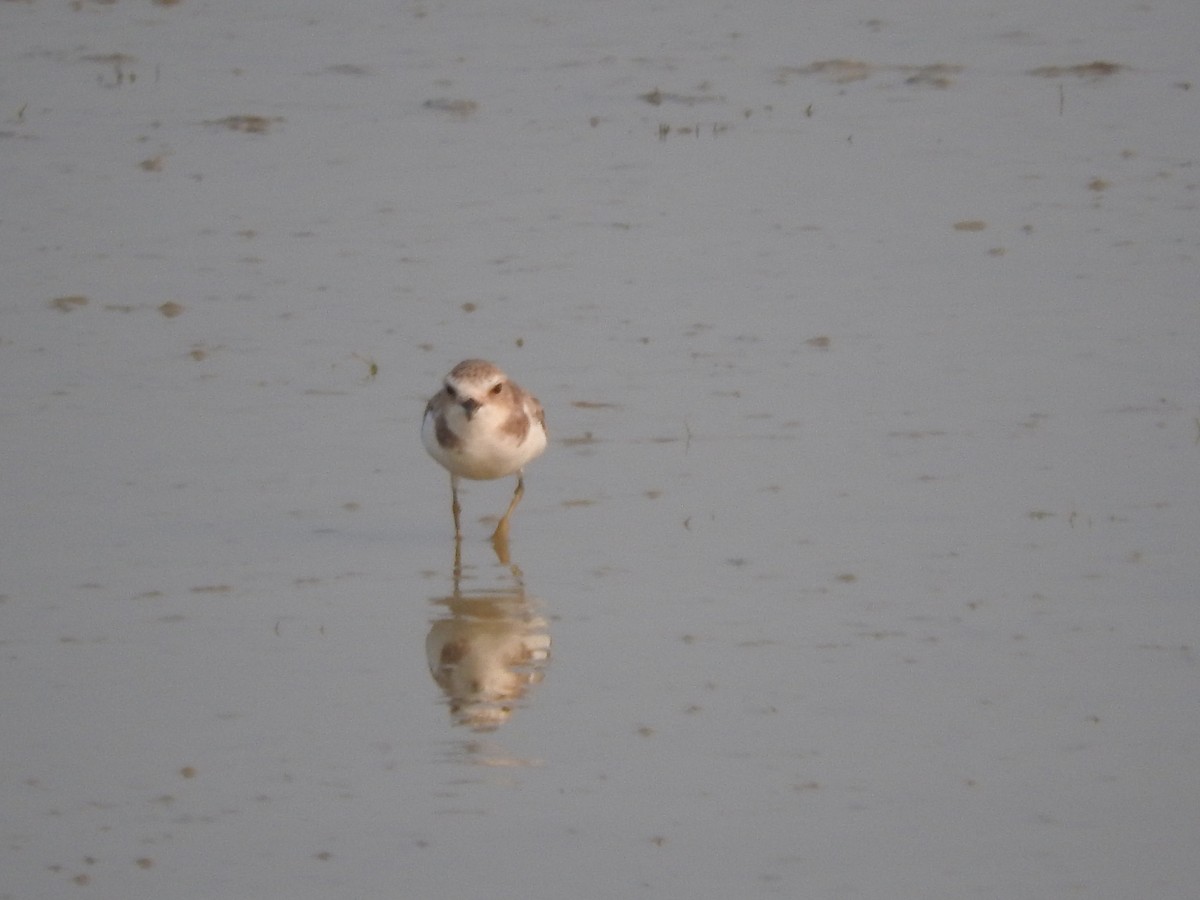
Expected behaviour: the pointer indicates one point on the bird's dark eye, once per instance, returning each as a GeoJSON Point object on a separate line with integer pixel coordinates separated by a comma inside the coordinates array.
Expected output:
{"type": "Point", "coordinates": [449, 391]}
{"type": "Point", "coordinates": [498, 388]}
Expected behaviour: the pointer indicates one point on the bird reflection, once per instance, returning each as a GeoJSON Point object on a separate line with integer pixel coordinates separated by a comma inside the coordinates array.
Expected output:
{"type": "Point", "coordinates": [489, 648]}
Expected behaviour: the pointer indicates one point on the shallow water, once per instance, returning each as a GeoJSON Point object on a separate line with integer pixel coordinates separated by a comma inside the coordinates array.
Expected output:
{"type": "Point", "coordinates": [861, 562]}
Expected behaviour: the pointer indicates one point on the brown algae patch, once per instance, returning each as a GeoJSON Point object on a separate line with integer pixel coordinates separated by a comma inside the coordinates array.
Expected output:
{"type": "Point", "coordinates": [247, 124]}
{"type": "Point", "coordinates": [68, 304]}
{"type": "Point", "coordinates": [460, 109]}
{"type": "Point", "coordinates": [1093, 70]}
{"type": "Point", "coordinates": [848, 71]}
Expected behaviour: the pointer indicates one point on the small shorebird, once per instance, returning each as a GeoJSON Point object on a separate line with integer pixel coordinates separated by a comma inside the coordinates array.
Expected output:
{"type": "Point", "coordinates": [481, 426]}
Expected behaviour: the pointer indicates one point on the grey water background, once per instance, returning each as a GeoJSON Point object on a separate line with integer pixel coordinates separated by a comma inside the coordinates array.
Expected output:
{"type": "Point", "coordinates": [862, 561]}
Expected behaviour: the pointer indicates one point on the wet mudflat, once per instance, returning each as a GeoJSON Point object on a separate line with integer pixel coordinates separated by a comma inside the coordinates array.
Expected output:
{"type": "Point", "coordinates": [862, 559]}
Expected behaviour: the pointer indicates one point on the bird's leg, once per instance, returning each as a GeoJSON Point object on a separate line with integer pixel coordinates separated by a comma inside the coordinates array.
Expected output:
{"type": "Point", "coordinates": [454, 507]}
{"type": "Point", "coordinates": [500, 543]}
{"type": "Point", "coordinates": [502, 527]}
{"type": "Point", "coordinates": [457, 565]}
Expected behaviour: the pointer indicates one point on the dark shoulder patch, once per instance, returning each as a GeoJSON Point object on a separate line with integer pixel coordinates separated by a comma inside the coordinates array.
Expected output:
{"type": "Point", "coordinates": [446, 438]}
